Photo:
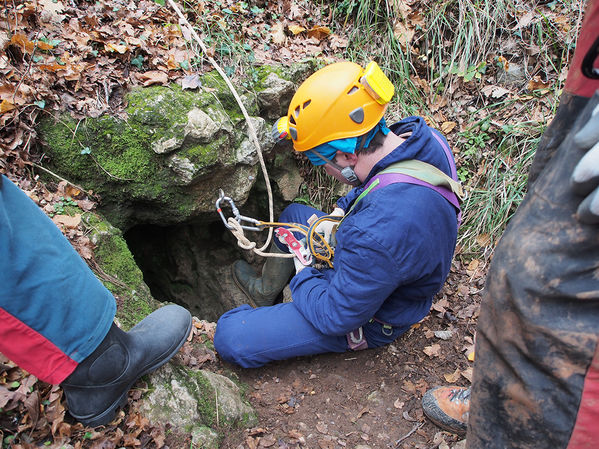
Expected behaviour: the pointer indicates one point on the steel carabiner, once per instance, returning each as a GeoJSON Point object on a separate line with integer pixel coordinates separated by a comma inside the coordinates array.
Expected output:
{"type": "Point", "coordinates": [238, 217]}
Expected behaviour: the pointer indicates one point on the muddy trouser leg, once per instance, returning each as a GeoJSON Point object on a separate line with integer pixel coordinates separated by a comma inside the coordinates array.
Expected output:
{"type": "Point", "coordinates": [536, 374]}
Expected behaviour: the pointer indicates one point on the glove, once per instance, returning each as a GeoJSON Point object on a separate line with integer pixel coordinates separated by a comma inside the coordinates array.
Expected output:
{"type": "Point", "coordinates": [325, 228]}
{"type": "Point", "coordinates": [585, 178]}
{"type": "Point", "coordinates": [298, 265]}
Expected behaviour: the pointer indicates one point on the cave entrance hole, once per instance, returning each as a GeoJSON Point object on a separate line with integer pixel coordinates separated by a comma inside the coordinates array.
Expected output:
{"type": "Point", "coordinates": [188, 264]}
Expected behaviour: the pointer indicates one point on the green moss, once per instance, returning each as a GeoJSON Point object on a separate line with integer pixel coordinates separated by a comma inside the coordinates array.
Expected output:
{"type": "Point", "coordinates": [205, 155]}
{"type": "Point", "coordinates": [124, 280]}
{"type": "Point", "coordinates": [116, 159]}
{"type": "Point", "coordinates": [206, 399]}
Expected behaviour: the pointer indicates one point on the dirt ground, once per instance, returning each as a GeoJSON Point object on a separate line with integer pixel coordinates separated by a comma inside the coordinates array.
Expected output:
{"type": "Point", "coordinates": [367, 399]}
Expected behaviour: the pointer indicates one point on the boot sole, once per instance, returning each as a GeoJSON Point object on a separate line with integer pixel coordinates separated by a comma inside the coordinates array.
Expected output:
{"type": "Point", "coordinates": [108, 415]}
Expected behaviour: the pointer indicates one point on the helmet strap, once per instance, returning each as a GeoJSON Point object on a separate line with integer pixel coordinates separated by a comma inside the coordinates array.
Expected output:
{"type": "Point", "coordinates": [347, 172]}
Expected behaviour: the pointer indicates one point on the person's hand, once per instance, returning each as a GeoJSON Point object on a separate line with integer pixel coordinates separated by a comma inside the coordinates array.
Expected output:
{"type": "Point", "coordinates": [298, 265]}
{"type": "Point", "coordinates": [325, 228]}
{"type": "Point", "coordinates": [585, 178]}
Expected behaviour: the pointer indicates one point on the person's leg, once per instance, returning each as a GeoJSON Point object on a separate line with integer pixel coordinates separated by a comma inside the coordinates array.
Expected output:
{"type": "Point", "coordinates": [251, 338]}
{"type": "Point", "coordinates": [263, 289]}
{"type": "Point", "coordinates": [56, 317]}
{"type": "Point", "coordinates": [535, 374]}
{"type": "Point", "coordinates": [53, 310]}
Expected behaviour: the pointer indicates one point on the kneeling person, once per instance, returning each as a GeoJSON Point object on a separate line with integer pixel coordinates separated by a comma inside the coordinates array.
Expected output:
{"type": "Point", "coordinates": [393, 247]}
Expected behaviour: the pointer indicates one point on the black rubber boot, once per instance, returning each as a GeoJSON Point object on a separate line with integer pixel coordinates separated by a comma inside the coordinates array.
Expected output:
{"type": "Point", "coordinates": [263, 290]}
{"type": "Point", "coordinates": [100, 383]}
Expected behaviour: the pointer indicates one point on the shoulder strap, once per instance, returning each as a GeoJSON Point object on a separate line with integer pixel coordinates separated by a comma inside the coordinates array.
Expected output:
{"type": "Point", "coordinates": [421, 173]}
{"type": "Point", "coordinates": [424, 172]}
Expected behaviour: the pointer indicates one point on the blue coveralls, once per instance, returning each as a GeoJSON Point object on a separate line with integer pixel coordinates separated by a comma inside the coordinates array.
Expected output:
{"type": "Point", "coordinates": [393, 254]}
{"type": "Point", "coordinates": [53, 310]}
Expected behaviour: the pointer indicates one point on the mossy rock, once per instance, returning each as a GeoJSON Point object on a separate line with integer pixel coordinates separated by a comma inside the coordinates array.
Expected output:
{"type": "Point", "coordinates": [167, 160]}
{"type": "Point", "coordinates": [164, 164]}
{"type": "Point", "coordinates": [189, 399]}
{"type": "Point", "coordinates": [118, 271]}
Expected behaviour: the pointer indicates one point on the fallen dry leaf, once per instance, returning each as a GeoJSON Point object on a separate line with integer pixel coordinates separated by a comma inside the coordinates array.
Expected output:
{"type": "Point", "coordinates": [296, 29]}
{"type": "Point", "coordinates": [483, 239]}
{"type": "Point", "coordinates": [67, 221]}
{"type": "Point", "coordinates": [473, 265]}
{"type": "Point", "coordinates": [403, 33]}
{"type": "Point", "coordinates": [453, 377]}
{"type": "Point", "coordinates": [6, 106]}
{"type": "Point", "coordinates": [447, 127]}
{"type": "Point", "coordinates": [433, 350]}
{"type": "Point", "coordinates": [153, 77]}
{"type": "Point", "coordinates": [536, 83]}
{"type": "Point", "coordinates": [494, 91]}
{"type": "Point", "coordinates": [319, 32]}
{"type": "Point", "coordinates": [277, 33]}
{"type": "Point", "coordinates": [267, 440]}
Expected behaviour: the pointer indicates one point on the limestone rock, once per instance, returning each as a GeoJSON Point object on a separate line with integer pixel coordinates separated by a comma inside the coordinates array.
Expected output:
{"type": "Point", "coordinates": [205, 438]}
{"type": "Point", "coordinates": [189, 399]}
{"type": "Point", "coordinates": [200, 126]}
{"type": "Point", "coordinates": [276, 95]}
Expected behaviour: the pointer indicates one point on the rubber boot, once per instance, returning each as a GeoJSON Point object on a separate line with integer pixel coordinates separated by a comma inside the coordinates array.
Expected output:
{"type": "Point", "coordinates": [100, 383]}
{"type": "Point", "coordinates": [263, 290]}
{"type": "Point", "coordinates": [448, 408]}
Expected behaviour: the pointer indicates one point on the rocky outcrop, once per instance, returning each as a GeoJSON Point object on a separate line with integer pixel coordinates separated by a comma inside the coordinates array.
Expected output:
{"type": "Point", "coordinates": [196, 400]}
{"type": "Point", "coordinates": [157, 171]}
{"type": "Point", "coordinates": [164, 162]}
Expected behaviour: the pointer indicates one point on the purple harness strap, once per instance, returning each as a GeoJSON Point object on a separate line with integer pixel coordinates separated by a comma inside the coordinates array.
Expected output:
{"type": "Point", "coordinates": [391, 178]}
{"type": "Point", "coordinates": [384, 179]}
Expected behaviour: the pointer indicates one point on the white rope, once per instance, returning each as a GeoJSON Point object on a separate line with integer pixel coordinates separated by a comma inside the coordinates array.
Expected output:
{"type": "Point", "coordinates": [247, 244]}
{"type": "Point", "coordinates": [183, 22]}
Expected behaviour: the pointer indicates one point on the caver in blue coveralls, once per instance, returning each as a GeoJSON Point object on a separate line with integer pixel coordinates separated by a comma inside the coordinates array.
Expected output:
{"type": "Point", "coordinates": [393, 253]}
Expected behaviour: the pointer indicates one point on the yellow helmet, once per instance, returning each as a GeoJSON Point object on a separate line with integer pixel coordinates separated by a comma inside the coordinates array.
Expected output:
{"type": "Point", "coordinates": [338, 101]}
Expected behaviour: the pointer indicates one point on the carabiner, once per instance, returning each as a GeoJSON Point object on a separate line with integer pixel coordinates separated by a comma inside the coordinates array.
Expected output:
{"type": "Point", "coordinates": [238, 217]}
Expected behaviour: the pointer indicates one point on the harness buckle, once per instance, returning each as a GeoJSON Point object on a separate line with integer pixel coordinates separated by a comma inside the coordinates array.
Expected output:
{"type": "Point", "coordinates": [356, 340]}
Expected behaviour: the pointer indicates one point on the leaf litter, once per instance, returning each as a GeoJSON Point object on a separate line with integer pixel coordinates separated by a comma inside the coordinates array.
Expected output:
{"type": "Point", "coordinates": [80, 57]}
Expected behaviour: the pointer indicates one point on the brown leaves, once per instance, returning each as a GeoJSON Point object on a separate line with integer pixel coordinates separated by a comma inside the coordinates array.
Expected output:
{"type": "Point", "coordinates": [407, 20]}
{"type": "Point", "coordinates": [433, 350]}
{"type": "Point", "coordinates": [152, 77]}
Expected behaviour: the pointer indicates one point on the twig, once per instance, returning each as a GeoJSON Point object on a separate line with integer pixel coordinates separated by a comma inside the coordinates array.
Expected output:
{"type": "Point", "coordinates": [14, 95]}
{"type": "Point", "coordinates": [107, 172]}
{"type": "Point", "coordinates": [407, 435]}
{"type": "Point", "coordinates": [93, 264]}
{"type": "Point", "coordinates": [216, 402]}
{"type": "Point", "coordinates": [60, 177]}
{"type": "Point", "coordinates": [251, 130]}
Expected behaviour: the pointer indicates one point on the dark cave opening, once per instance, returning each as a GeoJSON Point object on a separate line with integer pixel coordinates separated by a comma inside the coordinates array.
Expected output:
{"type": "Point", "coordinates": [187, 264]}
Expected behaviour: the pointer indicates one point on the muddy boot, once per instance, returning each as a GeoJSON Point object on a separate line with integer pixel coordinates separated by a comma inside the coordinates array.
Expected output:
{"type": "Point", "coordinates": [262, 291]}
{"type": "Point", "coordinates": [100, 383]}
{"type": "Point", "coordinates": [448, 408]}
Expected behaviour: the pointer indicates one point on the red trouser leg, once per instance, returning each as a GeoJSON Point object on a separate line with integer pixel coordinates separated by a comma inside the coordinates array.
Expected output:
{"type": "Point", "coordinates": [586, 429]}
